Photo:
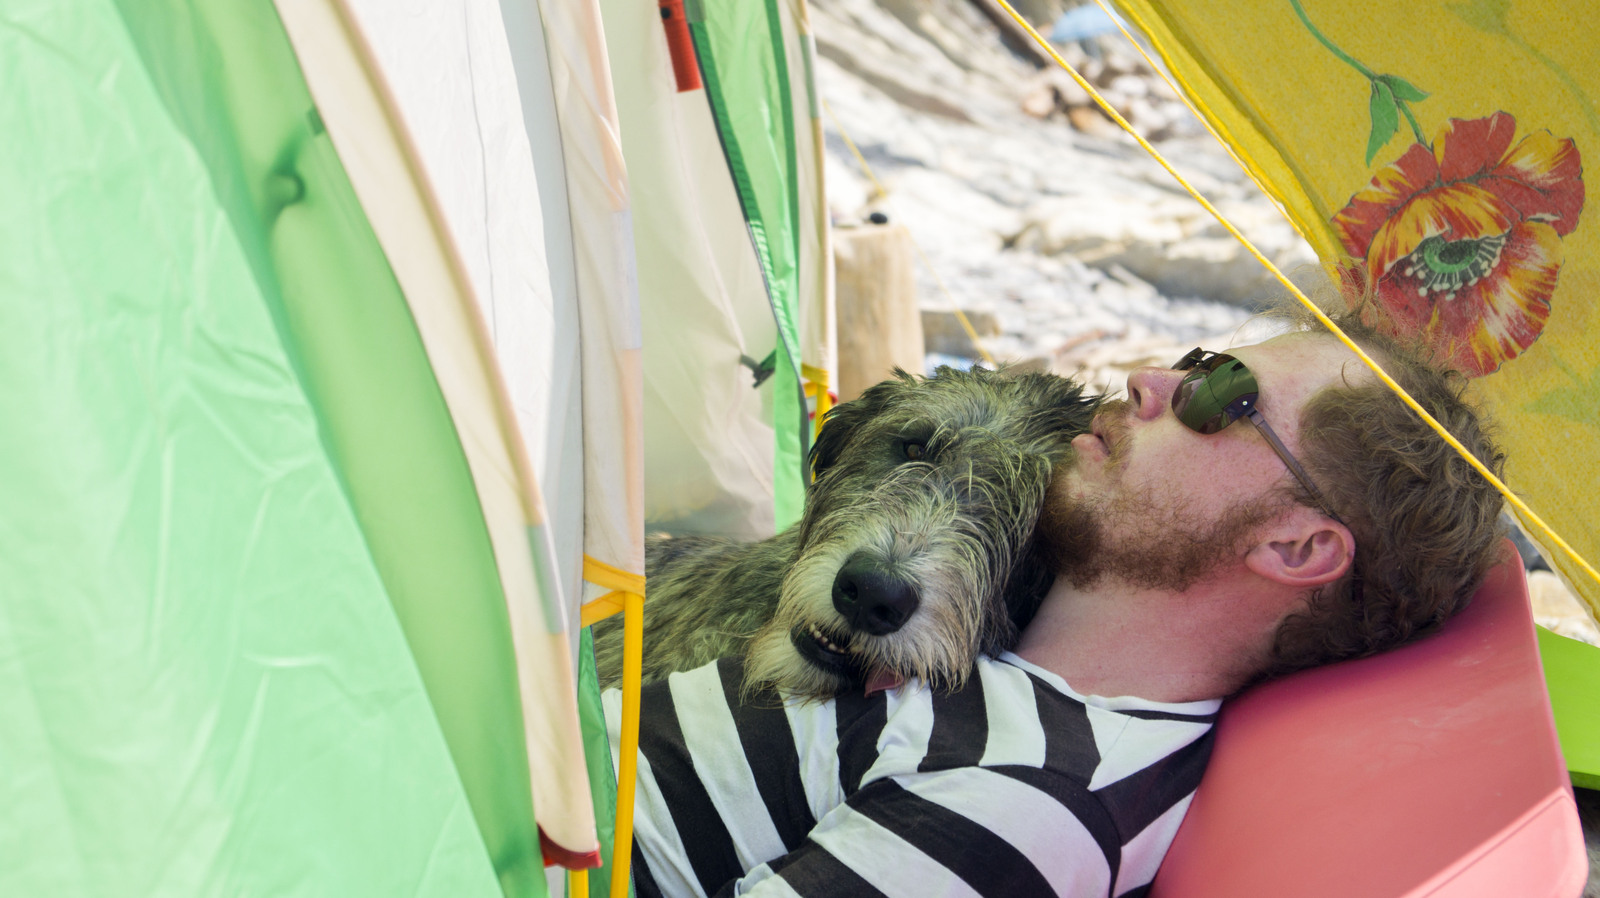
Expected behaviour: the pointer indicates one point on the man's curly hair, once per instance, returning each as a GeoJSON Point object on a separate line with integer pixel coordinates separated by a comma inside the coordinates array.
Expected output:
{"type": "Point", "coordinates": [1427, 526]}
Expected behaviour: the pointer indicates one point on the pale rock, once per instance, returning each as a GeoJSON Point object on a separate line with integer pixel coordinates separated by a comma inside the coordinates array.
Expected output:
{"type": "Point", "coordinates": [1137, 287]}
{"type": "Point", "coordinates": [1093, 71]}
{"type": "Point", "coordinates": [1148, 120]}
{"type": "Point", "coordinates": [949, 27]}
{"type": "Point", "coordinates": [1116, 99]}
{"type": "Point", "coordinates": [1090, 120]}
{"type": "Point", "coordinates": [1040, 102]}
{"type": "Point", "coordinates": [1033, 364]}
{"type": "Point", "coordinates": [892, 83]}
{"type": "Point", "coordinates": [942, 331]}
{"type": "Point", "coordinates": [1106, 219]}
{"type": "Point", "coordinates": [849, 191]}
{"type": "Point", "coordinates": [1069, 92]}
{"type": "Point", "coordinates": [1058, 226]}
{"type": "Point", "coordinates": [1130, 86]}
{"type": "Point", "coordinates": [1073, 55]}
{"type": "Point", "coordinates": [1557, 609]}
{"type": "Point", "coordinates": [1120, 59]}
{"type": "Point", "coordinates": [1052, 90]}
{"type": "Point", "coordinates": [1214, 268]}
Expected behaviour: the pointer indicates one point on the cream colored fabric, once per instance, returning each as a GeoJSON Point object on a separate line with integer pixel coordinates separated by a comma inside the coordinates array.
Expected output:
{"type": "Point", "coordinates": [438, 156]}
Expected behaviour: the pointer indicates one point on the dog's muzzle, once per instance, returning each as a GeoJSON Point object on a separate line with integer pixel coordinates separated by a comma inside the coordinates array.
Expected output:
{"type": "Point", "coordinates": [870, 600]}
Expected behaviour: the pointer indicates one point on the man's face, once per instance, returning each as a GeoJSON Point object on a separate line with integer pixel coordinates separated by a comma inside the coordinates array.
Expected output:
{"type": "Point", "coordinates": [1156, 504]}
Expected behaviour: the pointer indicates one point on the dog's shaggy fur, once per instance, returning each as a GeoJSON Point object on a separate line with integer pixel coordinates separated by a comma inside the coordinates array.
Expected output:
{"type": "Point", "coordinates": [915, 552]}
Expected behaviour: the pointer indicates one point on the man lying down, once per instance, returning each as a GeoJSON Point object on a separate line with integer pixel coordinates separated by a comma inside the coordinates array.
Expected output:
{"type": "Point", "coordinates": [1194, 558]}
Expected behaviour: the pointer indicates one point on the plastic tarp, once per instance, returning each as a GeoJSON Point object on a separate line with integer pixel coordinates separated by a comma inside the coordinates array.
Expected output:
{"type": "Point", "coordinates": [1442, 144]}
{"type": "Point", "coordinates": [207, 681]}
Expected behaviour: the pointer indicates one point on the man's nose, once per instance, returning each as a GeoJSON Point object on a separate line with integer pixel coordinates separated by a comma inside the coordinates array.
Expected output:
{"type": "Point", "coordinates": [1150, 391]}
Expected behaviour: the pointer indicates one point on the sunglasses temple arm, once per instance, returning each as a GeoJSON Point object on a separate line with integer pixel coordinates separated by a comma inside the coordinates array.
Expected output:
{"type": "Point", "coordinates": [1256, 418]}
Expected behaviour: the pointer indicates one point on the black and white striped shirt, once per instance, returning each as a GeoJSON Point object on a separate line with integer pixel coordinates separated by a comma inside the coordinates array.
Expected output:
{"type": "Point", "coordinates": [1012, 786]}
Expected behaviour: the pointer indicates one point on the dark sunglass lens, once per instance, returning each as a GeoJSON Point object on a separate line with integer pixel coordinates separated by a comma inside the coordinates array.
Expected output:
{"type": "Point", "coordinates": [1193, 404]}
{"type": "Point", "coordinates": [1214, 395]}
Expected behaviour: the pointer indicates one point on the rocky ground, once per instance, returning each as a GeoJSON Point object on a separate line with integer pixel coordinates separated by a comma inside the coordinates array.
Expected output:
{"type": "Point", "coordinates": [1061, 240]}
{"type": "Point", "coordinates": [1036, 212]}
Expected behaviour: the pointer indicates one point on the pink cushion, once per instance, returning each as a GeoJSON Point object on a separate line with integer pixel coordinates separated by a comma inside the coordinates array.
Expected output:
{"type": "Point", "coordinates": [1430, 770]}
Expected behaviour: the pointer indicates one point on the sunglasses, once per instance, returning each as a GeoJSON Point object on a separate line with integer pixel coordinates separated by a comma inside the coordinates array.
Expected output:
{"type": "Point", "coordinates": [1219, 390]}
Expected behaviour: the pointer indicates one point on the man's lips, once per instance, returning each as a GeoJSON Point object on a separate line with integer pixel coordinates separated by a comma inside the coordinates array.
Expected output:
{"type": "Point", "coordinates": [1107, 431]}
{"type": "Point", "coordinates": [1098, 442]}
{"type": "Point", "coordinates": [1090, 446]}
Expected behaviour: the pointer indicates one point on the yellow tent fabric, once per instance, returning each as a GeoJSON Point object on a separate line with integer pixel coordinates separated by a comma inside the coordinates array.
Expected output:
{"type": "Point", "coordinates": [1441, 144]}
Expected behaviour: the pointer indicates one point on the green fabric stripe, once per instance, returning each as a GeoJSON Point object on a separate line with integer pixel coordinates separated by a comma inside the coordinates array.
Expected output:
{"type": "Point", "coordinates": [597, 757]}
{"type": "Point", "coordinates": [745, 70]}
{"type": "Point", "coordinates": [204, 686]}
{"type": "Point", "coordinates": [230, 82]}
{"type": "Point", "coordinates": [1572, 674]}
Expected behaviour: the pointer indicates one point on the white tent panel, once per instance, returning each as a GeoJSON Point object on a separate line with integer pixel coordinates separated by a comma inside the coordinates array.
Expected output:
{"type": "Point", "coordinates": [600, 220]}
{"type": "Point", "coordinates": [558, 450]}
{"type": "Point", "coordinates": [708, 431]}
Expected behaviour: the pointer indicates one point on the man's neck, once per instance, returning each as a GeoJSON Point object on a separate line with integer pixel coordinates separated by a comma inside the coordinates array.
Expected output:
{"type": "Point", "coordinates": [1117, 639]}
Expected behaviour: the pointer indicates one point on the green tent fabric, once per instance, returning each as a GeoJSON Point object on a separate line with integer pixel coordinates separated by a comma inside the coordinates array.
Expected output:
{"type": "Point", "coordinates": [597, 755]}
{"type": "Point", "coordinates": [740, 47]}
{"type": "Point", "coordinates": [1572, 673]}
{"type": "Point", "coordinates": [233, 495]}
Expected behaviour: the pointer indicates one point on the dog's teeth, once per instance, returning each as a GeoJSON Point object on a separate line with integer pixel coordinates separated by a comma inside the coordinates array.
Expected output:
{"type": "Point", "coordinates": [824, 641]}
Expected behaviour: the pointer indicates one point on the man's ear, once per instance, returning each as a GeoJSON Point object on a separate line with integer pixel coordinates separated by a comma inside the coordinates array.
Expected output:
{"type": "Point", "coordinates": [1306, 550]}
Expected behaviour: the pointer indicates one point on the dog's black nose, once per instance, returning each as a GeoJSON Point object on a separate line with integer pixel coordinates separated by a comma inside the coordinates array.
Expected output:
{"type": "Point", "coordinates": [871, 600]}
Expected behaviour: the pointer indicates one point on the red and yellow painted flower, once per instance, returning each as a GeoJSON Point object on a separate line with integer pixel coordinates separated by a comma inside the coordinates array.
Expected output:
{"type": "Point", "coordinates": [1464, 239]}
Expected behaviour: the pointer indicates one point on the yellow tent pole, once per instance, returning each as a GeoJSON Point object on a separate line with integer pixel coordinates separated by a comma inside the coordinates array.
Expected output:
{"type": "Point", "coordinates": [817, 387]}
{"type": "Point", "coordinates": [628, 762]}
{"type": "Point", "coordinates": [627, 596]}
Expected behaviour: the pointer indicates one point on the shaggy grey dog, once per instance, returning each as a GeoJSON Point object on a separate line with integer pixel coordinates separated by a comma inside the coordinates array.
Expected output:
{"type": "Point", "coordinates": [915, 552]}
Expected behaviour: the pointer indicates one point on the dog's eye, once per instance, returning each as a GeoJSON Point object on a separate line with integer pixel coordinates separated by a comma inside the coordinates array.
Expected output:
{"type": "Point", "coordinates": [913, 450]}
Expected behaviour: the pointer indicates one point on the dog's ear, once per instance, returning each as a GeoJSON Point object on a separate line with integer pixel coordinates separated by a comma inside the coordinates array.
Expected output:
{"type": "Point", "coordinates": [841, 421]}
{"type": "Point", "coordinates": [844, 418]}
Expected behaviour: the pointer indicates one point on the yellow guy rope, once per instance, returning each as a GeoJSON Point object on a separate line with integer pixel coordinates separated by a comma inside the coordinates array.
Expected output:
{"type": "Point", "coordinates": [878, 191]}
{"type": "Point", "coordinates": [1455, 444]}
{"type": "Point", "coordinates": [627, 593]}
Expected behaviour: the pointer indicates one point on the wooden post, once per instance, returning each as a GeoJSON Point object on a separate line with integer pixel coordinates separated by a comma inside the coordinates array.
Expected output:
{"type": "Point", "coordinates": [880, 326]}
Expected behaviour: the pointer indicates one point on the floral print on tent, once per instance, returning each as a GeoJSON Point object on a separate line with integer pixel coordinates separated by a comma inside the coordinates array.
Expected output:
{"type": "Point", "coordinates": [1461, 237]}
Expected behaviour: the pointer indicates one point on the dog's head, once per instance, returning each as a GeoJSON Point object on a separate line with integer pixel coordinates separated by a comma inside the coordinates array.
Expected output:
{"type": "Point", "coordinates": [915, 551]}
